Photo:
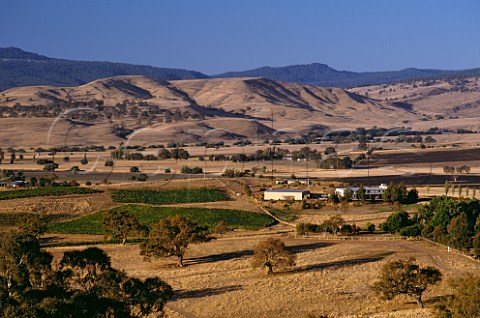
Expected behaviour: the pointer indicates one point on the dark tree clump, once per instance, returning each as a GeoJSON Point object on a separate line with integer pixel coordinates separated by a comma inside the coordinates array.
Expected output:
{"type": "Point", "coordinates": [405, 277]}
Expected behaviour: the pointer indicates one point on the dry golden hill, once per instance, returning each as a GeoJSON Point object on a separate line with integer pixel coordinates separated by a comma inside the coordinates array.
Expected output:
{"type": "Point", "coordinates": [452, 104]}
{"type": "Point", "coordinates": [114, 109]}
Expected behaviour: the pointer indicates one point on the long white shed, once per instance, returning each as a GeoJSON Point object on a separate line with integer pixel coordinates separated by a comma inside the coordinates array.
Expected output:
{"type": "Point", "coordinates": [287, 195]}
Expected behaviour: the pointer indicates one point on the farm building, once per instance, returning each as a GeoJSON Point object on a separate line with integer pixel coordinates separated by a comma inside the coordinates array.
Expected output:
{"type": "Point", "coordinates": [298, 181]}
{"type": "Point", "coordinates": [281, 194]}
{"type": "Point", "coordinates": [12, 184]}
{"type": "Point", "coordinates": [370, 192]}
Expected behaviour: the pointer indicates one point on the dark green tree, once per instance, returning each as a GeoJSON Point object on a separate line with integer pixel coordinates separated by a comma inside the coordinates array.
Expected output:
{"type": "Point", "coordinates": [134, 169]}
{"type": "Point", "coordinates": [361, 194]}
{"type": "Point", "coordinates": [458, 232]}
{"type": "Point", "coordinates": [171, 237]}
{"type": "Point", "coordinates": [395, 222]}
{"type": "Point", "coordinates": [120, 224]}
{"type": "Point", "coordinates": [464, 303]}
{"type": "Point", "coordinates": [83, 286]}
{"type": "Point", "coordinates": [333, 224]}
{"type": "Point", "coordinates": [404, 277]}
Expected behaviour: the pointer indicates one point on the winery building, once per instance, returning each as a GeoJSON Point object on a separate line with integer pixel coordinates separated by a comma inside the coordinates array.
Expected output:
{"type": "Point", "coordinates": [286, 195]}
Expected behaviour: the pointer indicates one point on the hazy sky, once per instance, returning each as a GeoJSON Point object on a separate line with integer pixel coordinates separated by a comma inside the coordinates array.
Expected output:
{"type": "Point", "coordinates": [217, 36]}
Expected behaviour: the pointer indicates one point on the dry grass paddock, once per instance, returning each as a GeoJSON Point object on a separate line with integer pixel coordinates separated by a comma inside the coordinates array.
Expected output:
{"type": "Point", "coordinates": [331, 277]}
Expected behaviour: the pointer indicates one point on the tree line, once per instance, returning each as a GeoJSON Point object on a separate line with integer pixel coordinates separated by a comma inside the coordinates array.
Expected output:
{"type": "Point", "coordinates": [446, 220]}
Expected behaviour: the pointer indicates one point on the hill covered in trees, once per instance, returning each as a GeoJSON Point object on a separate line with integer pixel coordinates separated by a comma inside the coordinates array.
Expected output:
{"type": "Point", "coordinates": [21, 68]}
{"type": "Point", "coordinates": [323, 75]}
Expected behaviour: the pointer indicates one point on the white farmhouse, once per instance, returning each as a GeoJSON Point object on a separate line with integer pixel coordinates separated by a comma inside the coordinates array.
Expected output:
{"type": "Point", "coordinates": [287, 195]}
{"type": "Point", "coordinates": [370, 192]}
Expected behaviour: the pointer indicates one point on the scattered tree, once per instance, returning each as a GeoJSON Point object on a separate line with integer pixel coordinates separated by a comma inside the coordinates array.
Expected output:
{"type": "Point", "coordinates": [84, 160]}
{"type": "Point", "coordinates": [134, 169]}
{"type": "Point", "coordinates": [171, 237]}
{"type": "Point", "coordinates": [333, 224]}
{"type": "Point", "coordinates": [404, 277]}
{"type": "Point", "coordinates": [370, 227]}
{"type": "Point", "coordinates": [33, 224]}
{"type": "Point", "coordinates": [464, 303]}
{"type": "Point", "coordinates": [456, 171]}
{"type": "Point", "coordinates": [83, 285]}
{"type": "Point", "coordinates": [272, 254]}
{"type": "Point", "coordinates": [362, 194]}
{"type": "Point", "coordinates": [120, 224]}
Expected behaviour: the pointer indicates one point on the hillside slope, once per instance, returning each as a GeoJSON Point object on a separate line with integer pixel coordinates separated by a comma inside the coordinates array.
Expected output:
{"type": "Point", "coordinates": [148, 110]}
{"type": "Point", "coordinates": [451, 104]}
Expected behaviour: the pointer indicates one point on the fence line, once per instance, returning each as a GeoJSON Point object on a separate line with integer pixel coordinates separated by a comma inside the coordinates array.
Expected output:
{"type": "Point", "coordinates": [351, 238]}
{"type": "Point", "coordinates": [451, 250]}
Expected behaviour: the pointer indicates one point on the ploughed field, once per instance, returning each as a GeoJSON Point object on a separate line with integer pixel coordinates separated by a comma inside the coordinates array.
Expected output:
{"type": "Point", "coordinates": [422, 157]}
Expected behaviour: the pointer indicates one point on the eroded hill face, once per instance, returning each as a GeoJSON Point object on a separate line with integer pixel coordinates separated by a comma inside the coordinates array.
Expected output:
{"type": "Point", "coordinates": [439, 103]}
{"type": "Point", "coordinates": [153, 111]}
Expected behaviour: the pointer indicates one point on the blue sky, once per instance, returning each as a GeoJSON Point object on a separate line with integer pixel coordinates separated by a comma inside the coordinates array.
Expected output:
{"type": "Point", "coordinates": [213, 36]}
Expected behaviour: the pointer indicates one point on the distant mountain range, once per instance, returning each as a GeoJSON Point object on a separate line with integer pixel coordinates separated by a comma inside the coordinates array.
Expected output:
{"type": "Point", "coordinates": [21, 68]}
{"type": "Point", "coordinates": [323, 75]}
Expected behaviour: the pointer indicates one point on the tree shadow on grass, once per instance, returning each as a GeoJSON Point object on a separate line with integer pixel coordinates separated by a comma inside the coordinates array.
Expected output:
{"type": "Point", "coordinates": [206, 292]}
{"type": "Point", "coordinates": [240, 254]}
{"type": "Point", "coordinates": [217, 257]}
{"type": "Point", "coordinates": [340, 264]}
{"type": "Point", "coordinates": [310, 246]}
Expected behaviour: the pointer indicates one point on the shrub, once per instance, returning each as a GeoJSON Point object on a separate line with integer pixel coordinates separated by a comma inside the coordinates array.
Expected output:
{"type": "Point", "coordinates": [134, 169]}
{"type": "Point", "coordinates": [195, 170]}
{"type": "Point", "coordinates": [369, 227]}
{"type": "Point", "coordinates": [142, 177]}
{"type": "Point", "coordinates": [396, 222]}
{"type": "Point", "coordinates": [412, 230]}
{"type": "Point", "coordinates": [50, 167]}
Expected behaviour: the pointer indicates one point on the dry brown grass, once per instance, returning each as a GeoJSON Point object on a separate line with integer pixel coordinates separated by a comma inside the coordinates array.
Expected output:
{"type": "Point", "coordinates": [331, 277]}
